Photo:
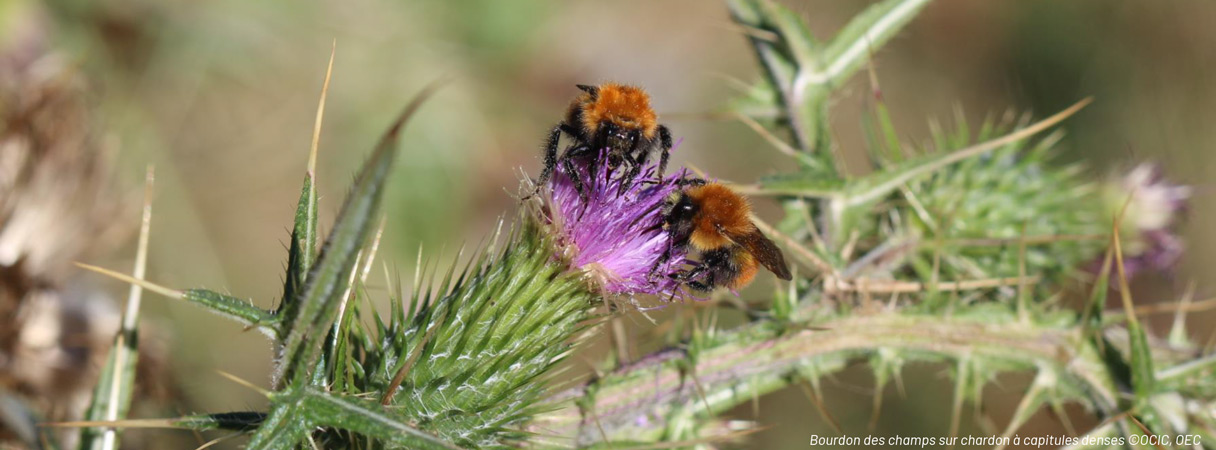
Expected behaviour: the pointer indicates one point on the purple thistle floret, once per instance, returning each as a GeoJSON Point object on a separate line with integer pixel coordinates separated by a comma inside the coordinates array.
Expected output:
{"type": "Point", "coordinates": [1148, 228]}
{"type": "Point", "coordinates": [1160, 251]}
{"type": "Point", "coordinates": [616, 237]}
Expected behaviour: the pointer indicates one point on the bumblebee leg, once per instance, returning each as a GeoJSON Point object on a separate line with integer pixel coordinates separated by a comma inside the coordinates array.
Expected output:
{"type": "Point", "coordinates": [635, 169]}
{"type": "Point", "coordinates": [658, 173]}
{"type": "Point", "coordinates": [685, 182]}
{"type": "Point", "coordinates": [579, 151]}
{"type": "Point", "coordinates": [580, 140]}
{"type": "Point", "coordinates": [643, 156]}
{"type": "Point", "coordinates": [701, 286]}
{"type": "Point", "coordinates": [664, 151]}
{"type": "Point", "coordinates": [602, 141]}
{"type": "Point", "coordinates": [666, 256]}
{"type": "Point", "coordinates": [568, 165]}
{"type": "Point", "coordinates": [593, 165]}
{"type": "Point", "coordinates": [550, 160]}
{"type": "Point", "coordinates": [699, 278]}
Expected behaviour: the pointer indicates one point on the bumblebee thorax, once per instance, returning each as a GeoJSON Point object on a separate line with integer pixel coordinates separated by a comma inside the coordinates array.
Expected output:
{"type": "Point", "coordinates": [624, 106]}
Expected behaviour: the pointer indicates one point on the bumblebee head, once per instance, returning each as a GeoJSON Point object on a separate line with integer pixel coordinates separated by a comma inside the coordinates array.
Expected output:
{"type": "Point", "coordinates": [669, 205]}
{"type": "Point", "coordinates": [678, 213]}
{"type": "Point", "coordinates": [621, 139]}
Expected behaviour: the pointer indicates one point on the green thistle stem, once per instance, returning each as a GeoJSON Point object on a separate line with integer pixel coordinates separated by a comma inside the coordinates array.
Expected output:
{"type": "Point", "coordinates": [644, 401]}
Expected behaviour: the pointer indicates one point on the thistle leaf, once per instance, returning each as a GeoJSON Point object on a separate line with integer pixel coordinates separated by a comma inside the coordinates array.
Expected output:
{"type": "Point", "coordinates": [300, 253]}
{"type": "Point", "coordinates": [284, 428]}
{"type": "Point", "coordinates": [1032, 400]}
{"type": "Point", "coordinates": [800, 46]}
{"type": "Point", "coordinates": [1143, 376]}
{"type": "Point", "coordinates": [774, 56]}
{"type": "Point", "coordinates": [785, 48]}
{"type": "Point", "coordinates": [806, 184]}
{"type": "Point", "coordinates": [1092, 315]}
{"type": "Point", "coordinates": [322, 295]}
{"type": "Point", "coordinates": [804, 71]}
{"type": "Point", "coordinates": [116, 382]}
{"type": "Point", "coordinates": [367, 418]}
{"type": "Point", "coordinates": [868, 190]}
{"type": "Point", "coordinates": [1193, 376]}
{"type": "Point", "coordinates": [228, 306]}
{"type": "Point", "coordinates": [241, 310]}
{"type": "Point", "coordinates": [112, 394]}
{"type": "Point", "coordinates": [853, 45]}
{"type": "Point", "coordinates": [303, 247]}
{"type": "Point", "coordinates": [235, 421]}
{"type": "Point", "coordinates": [884, 142]}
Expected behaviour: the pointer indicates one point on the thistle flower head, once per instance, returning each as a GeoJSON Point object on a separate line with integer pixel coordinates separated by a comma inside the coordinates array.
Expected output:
{"type": "Point", "coordinates": [614, 236]}
{"type": "Point", "coordinates": [1155, 203]}
{"type": "Point", "coordinates": [1148, 226]}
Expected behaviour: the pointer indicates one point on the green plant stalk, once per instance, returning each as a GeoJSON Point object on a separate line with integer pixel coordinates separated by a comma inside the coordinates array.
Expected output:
{"type": "Point", "coordinates": [116, 383]}
{"type": "Point", "coordinates": [804, 71]}
{"type": "Point", "coordinates": [642, 402]}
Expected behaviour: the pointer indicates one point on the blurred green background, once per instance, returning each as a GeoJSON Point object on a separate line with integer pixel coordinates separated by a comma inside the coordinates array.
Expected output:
{"type": "Point", "coordinates": [221, 96]}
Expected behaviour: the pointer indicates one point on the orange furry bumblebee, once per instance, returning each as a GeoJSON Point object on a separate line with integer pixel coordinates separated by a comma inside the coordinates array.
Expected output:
{"type": "Point", "coordinates": [714, 220]}
{"type": "Point", "coordinates": [613, 117]}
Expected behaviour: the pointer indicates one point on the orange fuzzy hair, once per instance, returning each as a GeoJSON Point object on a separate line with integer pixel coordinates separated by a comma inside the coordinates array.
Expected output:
{"type": "Point", "coordinates": [626, 106]}
{"type": "Point", "coordinates": [748, 267]}
{"type": "Point", "coordinates": [721, 213]}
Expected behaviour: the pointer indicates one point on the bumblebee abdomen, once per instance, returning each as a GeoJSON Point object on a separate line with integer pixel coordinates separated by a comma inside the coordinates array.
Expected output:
{"type": "Point", "coordinates": [745, 265]}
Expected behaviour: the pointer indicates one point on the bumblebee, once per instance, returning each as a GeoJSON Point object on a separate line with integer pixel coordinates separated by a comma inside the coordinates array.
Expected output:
{"type": "Point", "coordinates": [714, 220]}
{"type": "Point", "coordinates": [609, 116]}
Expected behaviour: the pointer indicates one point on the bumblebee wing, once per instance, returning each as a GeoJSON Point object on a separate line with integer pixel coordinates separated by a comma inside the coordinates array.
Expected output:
{"type": "Point", "coordinates": [765, 251]}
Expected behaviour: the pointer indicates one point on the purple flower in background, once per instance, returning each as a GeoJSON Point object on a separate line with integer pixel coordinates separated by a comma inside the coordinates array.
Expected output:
{"type": "Point", "coordinates": [1147, 231]}
{"type": "Point", "coordinates": [615, 237]}
{"type": "Point", "coordinates": [1160, 250]}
